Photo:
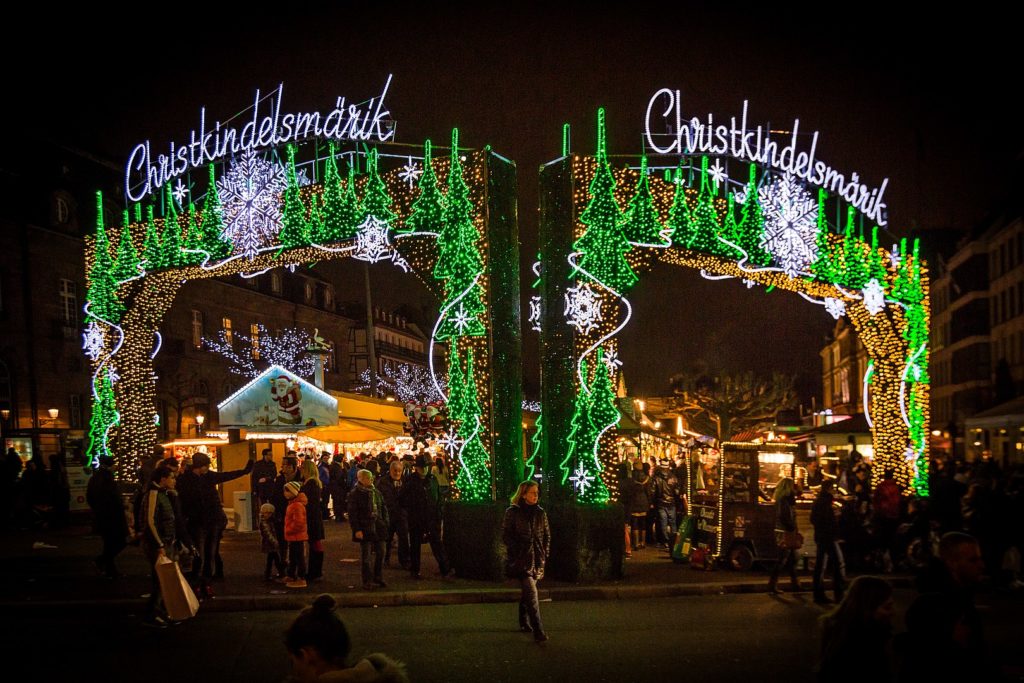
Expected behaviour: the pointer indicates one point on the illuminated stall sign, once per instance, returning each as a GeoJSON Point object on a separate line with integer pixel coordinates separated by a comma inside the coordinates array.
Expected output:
{"type": "Point", "coordinates": [281, 399]}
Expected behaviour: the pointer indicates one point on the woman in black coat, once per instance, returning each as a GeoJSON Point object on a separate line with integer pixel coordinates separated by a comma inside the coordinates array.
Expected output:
{"type": "Point", "coordinates": [527, 537]}
{"type": "Point", "coordinates": [314, 518]}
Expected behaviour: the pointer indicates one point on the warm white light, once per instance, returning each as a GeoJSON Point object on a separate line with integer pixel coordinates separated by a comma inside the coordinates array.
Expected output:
{"type": "Point", "coordinates": [54, 412]}
{"type": "Point", "coordinates": [936, 432]}
{"type": "Point", "coordinates": [200, 419]}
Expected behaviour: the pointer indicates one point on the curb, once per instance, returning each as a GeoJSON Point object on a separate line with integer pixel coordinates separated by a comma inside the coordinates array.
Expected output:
{"type": "Point", "coordinates": [296, 601]}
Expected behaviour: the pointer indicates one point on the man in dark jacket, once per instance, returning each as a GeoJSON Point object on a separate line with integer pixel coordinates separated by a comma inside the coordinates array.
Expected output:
{"type": "Point", "coordinates": [264, 473]}
{"type": "Point", "coordinates": [368, 516]}
{"type": "Point", "coordinates": [666, 497]}
{"type": "Point", "coordinates": [200, 501]}
{"type": "Point", "coordinates": [338, 486]}
{"type": "Point", "coordinates": [636, 500]}
{"type": "Point", "coordinates": [108, 510]}
{"type": "Point", "coordinates": [421, 499]}
{"type": "Point", "coordinates": [390, 488]}
{"type": "Point", "coordinates": [826, 537]}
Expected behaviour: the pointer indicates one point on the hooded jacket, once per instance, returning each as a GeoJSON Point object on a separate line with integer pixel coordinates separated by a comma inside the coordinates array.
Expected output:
{"type": "Point", "coordinates": [295, 519]}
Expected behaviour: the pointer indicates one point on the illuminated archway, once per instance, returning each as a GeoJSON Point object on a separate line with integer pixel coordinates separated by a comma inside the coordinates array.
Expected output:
{"type": "Point", "coordinates": [451, 221]}
{"type": "Point", "coordinates": [603, 227]}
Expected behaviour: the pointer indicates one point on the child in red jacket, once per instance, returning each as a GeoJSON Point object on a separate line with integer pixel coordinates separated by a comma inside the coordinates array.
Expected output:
{"type": "Point", "coordinates": [295, 534]}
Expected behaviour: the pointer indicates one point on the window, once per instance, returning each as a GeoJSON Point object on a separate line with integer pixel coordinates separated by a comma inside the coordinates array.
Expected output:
{"type": "Point", "coordinates": [229, 335]}
{"type": "Point", "coordinates": [332, 362]}
{"type": "Point", "coordinates": [276, 283]}
{"type": "Point", "coordinates": [309, 291]}
{"type": "Point", "coordinates": [197, 329]}
{"type": "Point", "coordinates": [844, 385]}
{"type": "Point", "coordinates": [254, 335]}
{"type": "Point", "coordinates": [328, 298]}
{"type": "Point", "coordinates": [61, 210]}
{"type": "Point", "coordinates": [75, 412]}
{"type": "Point", "coordinates": [69, 303]}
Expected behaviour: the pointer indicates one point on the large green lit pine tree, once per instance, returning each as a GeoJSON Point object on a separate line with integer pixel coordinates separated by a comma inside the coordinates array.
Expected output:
{"type": "Point", "coordinates": [102, 294]}
{"type": "Point", "coordinates": [294, 228]}
{"type": "Point", "coordinates": [604, 416]}
{"type": "Point", "coordinates": [826, 264]}
{"type": "Point", "coordinates": [103, 419]}
{"type": "Point", "coordinates": [214, 241]}
{"type": "Point", "coordinates": [376, 200]}
{"type": "Point", "coordinates": [603, 246]}
{"type": "Point", "coordinates": [427, 212]}
{"type": "Point", "coordinates": [474, 477]}
{"type": "Point", "coordinates": [151, 248]}
{"type": "Point", "coordinates": [704, 235]}
{"type": "Point", "coordinates": [580, 442]}
{"type": "Point", "coordinates": [751, 224]}
{"type": "Point", "coordinates": [127, 264]}
{"type": "Point", "coordinates": [680, 223]}
{"type": "Point", "coordinates": [642, 225]}
{"type": "Point", "coordinates": [340, 214]}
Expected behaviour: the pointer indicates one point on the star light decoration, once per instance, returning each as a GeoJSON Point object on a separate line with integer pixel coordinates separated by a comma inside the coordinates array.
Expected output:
{"type": "Point", "coordinates": [462, 320]}
{"type": "Point", "coordinates": [179, 192]}
{"type": "Point", "coordinates": [535, 313]}
{"type": "Point", "coordinates": [581, 479]}
{"type": "Point", "coordinates": [410, 173]}
{"type": "Point", "coordinates": [582, 308]}
{"type": "Point", "coordinates": [611, 359]}
{"type": "Point", "coordinates": [451, 442]}
{"type": "Point", "coordinates": [894, 257]}
{"type": "Point", "coordinates": [835, 307]}
{"type": "Point", "coordinates": [790, 224]}
{"type": "Point", "coordinates": [92, 341]}
{"type": "Point", "coordinates": [373, 243]}
{"type": "Point", "coordinates": [250, 194]}
{"type": "Point", "coordinates": [717, 173]}
{"type": "Point", "coordinates": [874, 297]}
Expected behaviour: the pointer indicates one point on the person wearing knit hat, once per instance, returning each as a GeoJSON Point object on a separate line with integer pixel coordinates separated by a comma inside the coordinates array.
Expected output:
{"type": "Point", "coordinates": [293, 487]}
{"type": "Point", "coordinates": [296, 534]}
{"type": "Point", "coordinates": [270, 543]}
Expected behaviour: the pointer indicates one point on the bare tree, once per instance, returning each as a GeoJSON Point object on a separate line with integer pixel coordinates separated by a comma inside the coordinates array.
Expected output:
{"type": "Point", "coordinates": [725, 404]}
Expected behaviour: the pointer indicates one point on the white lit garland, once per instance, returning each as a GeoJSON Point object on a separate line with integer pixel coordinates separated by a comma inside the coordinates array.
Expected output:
{"type": "Point", "coordinates": [288, 350]}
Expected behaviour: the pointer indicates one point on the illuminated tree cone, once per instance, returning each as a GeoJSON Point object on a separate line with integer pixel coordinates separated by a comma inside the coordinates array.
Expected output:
{"type": "Point", "coordinates": [151, 248]}
{"type": "Point", "coordinates": [427, 211]}
{"type": "Point", "coordinates": [603, 246]}
{"type": "Point", "coordinates": [193, 252]}
{"type": "Point", "coordinates": [853, 271]}
{"type": "Point", "coordinates": [103, 419]}
{"type": "Point", "coordinates": [212, 226]}
{"type": "Point", "coordinates": [642, 223]}
{"type": "Point", "coordinates": [459, 262]}
{"type": "Point", "coordinates": [536, 456]}
{"type": "Point", "coordinates": [826, 265]}
{"type": "Point", "coordinates": [705, 226]}
{"type": "Point", "coordinates": [127, 264]}
{"type": "Point", "coordinates": [604, 416]}
{"type": "Point", "coordinates": [680, 223]}
{"type": "Point", "coordinates": [294, 228]}
{"type": "Point", "coordinates": [474, 476]}
{"type": "Point", "coordinates": [376, 200]}
{"type": "Point", "coordinates": [731, 229]}
{"type": "Point", "coordinates": [104, 304]}
{"type": "Point", "coordinates": [171, 239]}
{"type": "Point", "coordinates": [341, 213]}
{"type": "Point", "coordinates": [751, 224]}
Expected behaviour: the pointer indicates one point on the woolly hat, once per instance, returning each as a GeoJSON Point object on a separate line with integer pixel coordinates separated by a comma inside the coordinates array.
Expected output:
{"type": "Point", "coordinates": [294, 487]}
{"type": "Point", "coordinates": [268, 508]}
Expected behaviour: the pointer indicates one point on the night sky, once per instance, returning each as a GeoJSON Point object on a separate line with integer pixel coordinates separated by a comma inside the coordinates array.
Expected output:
{"type": "Point", "coordinates": [924, 102]}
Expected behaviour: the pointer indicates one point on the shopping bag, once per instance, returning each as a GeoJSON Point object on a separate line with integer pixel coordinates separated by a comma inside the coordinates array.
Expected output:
{"type": "Point", "coordinates": [684, 540]}
{"type": "Point", "coordinates": [179, 600]}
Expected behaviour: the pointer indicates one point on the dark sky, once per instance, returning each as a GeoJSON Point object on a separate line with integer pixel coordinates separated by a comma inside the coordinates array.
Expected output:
{"type": "Point", "coordinates": [923, 101]}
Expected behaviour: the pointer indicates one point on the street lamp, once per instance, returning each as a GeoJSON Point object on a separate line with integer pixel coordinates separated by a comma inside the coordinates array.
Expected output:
{"type": "Point", "coordinates": [54, 413]}
{"type": "Point", "coordinates": [200, 419]}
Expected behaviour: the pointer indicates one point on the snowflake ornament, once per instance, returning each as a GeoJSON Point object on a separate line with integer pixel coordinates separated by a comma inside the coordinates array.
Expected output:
{"type": "Point", "coordinates": [113, 376]}
{"type": "Point", "coordinates": [874, 297]}
{"type": "Point", "coordinates": [179, 193]}
{"type": "Point", "coordinates": [373, 243]}
{"type": "Point", "coordinates": [250, 193]}
{"type": "Point", "coordinates": [92, 341]}
{"type": "Point", "coordinates": [581, 480]}
{"type": "Point", "coordinates": [611, 359]}
{"type": "Point", "coordinates": [582, 308]}
{"type": "Point", "coordinates": [749, 283]}
{"type": "Point", "coordinates": [835, 307]}
{"type": "Point", "coordinates": [410, 173]}
{"type": "Point", "coordinates": [894, 257]}
{"type": "Point", "coordinates": [451, 442]}
{"type": "Point", "coordinates": [535, 313]}
{"type": "Point", "coordinates": [717, 173]}
{"type": "Point", "coordinates": [790, 224]}
{"type": "Point", "coordinates": [462, 320]}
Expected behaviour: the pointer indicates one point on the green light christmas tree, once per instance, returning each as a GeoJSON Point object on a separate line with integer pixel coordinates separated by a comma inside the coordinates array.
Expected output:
{"type": "Point", "coordinates": [474, 477]}
{"type": "Point", "coordinates": [751, 224]}
{"type": "Point", "coordinates": [581, 433]}
{"type": "Point", "coordinates": [376, 200]}
{"type": "Point", "coordinates": [171, 239]}
{"type": "Point", "coordinates": [680, 223]}
{"type": "Point", "coordinates": [427, 214]}
{"type": "Point", "coordinates": [104, 417]}
{"type": "Point", "coordinates": [212, 226]}
{"type": "Point", "coordinates": [603, 247]}
{"type": "Point", "coordinates": [604, 415]}
{"type": "Point", "coordinates": [294, 228]}
{"type": "Point", "coordinates": [151, 248]}
{"type": "Point", "coordinates": [127, 263]}
{"type": "Point", "coordinates": [102, 294]}
{"type": "Point", "coordinates": [642, 224]}
{"type": "Point", "coordinates": [704, 234]}
{"type": "Point", "coordinates": [825, 266]}
{"type": "Point", "coordinates": [339, 217]}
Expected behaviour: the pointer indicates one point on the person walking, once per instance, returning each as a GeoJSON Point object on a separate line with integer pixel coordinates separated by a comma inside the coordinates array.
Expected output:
{"type": "Point", "coordinates": [108, 512]}
{"type": "Point", "coordinates": [368, 517]}
{"type": "Point", "coordinates": [637, 501]}
{"type": "Point", "coordinates": [296, 534]}
{"type": "Point", "coordinates": [158, 538]}
{"type": "Point", "coordinates": [390, 488]}
{"type": "Point", "coordinates": [856, 636]}
{"type": "Point", "coordinates": [826, 538]}
{"type": "Point", "coordinates": [527, 537]}
{"type": "Point", "coordinates": [338, 486]}
{"type": "Point", "coordinates": [786, 534]}
{"type": "Point", "coordinates": [324, 470]}
{"type": "Point", "coordinates": [313, 489]}
{"type": "Point", "coordinates": [422, 502]}
{"type": "Point", "coordinates": [666, 498]}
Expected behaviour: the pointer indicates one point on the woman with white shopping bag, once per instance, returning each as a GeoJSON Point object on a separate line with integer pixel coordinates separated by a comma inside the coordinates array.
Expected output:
{"type": "Point", "coordinates": [158, 543]}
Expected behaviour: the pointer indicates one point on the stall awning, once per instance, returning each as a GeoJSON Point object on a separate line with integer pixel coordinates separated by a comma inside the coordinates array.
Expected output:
{"type": "Point", "coordinates": [355, 430]}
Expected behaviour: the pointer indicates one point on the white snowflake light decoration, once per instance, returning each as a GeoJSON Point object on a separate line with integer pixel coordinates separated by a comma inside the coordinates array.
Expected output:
{"type": "Point", "coordinates": [451, 442]}
{"type": "Point", "coordinates": [179, 193]}
{"type": "Point", "coordinates": [410, 173]}
{"type": "Point", "coordinates": [250, 193]}
{"type": "Point", "coordinates": [740, 196]}
{"type": "Point", "coordinates": [835, 307]}
{"type": "Point", "coordinates": [611, 359]}
{"type": "Point", "coordinates": [112, 374]}
{"type": "Point", "coordinates": [581, 480]}
{"type": "Point", "coordinates": [461, 319]}
{"type": "Point", "coordinates": [874, 297]}
{"type": "Point", "coordinates": [92, 341]}
{"type": "Point", "coordinates": [582, 308]}
{"type": "Point", "coordinates": [749, 283]}
{"type": "Point", "coordinates": [894, 257]}
{"type": "Point", "coordinates": [790, 224]}
{"type": "Point", "coordinates": [373, 243]}
{"type": "Point", "coordinates": [717, 173]}
{"type": "Point", "coordinates": [535, 313]}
